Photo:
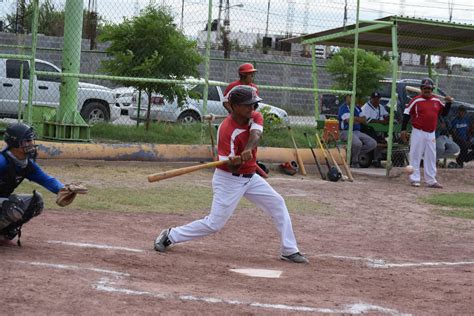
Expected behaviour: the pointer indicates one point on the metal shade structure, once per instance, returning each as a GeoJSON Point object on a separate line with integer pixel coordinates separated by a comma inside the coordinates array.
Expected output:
{"type": "Point", "coordinates": [419, 36]}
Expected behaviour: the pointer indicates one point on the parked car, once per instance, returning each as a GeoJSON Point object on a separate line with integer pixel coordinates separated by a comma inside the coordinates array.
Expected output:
{"type": "Point", "coordinates": [95, 103]}
{"type": "Point", "coordinates": [405, 96]}
{"type": "Point", "coordinates": [192, 109]}
{"type": "Point", "coordinates": [123, 97]}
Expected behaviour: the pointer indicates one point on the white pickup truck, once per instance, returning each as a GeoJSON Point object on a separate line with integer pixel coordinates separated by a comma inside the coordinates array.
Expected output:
{"type": "Point", "coordinates": [95, 103]}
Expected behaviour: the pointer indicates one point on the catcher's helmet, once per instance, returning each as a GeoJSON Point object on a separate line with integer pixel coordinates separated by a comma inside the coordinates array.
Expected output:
{"type": "Point", "coordinates": [17, 134]}
{"type": "Point", "coordinates": [246, 68]}
{"type": "Point", "coordinates": [334, 175]}
{"type": "Point", "coordinates": [427, 83]}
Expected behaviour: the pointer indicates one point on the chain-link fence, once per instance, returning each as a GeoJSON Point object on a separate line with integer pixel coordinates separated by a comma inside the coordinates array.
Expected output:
{"type": "Point", "coordinates": [137, 53]}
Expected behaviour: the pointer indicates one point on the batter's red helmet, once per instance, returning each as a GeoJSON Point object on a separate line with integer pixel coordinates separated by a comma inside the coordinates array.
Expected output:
{"type": "Point", "coordinates": [246, 68]}
{"type": "Point", "coordinates": [427, 83]}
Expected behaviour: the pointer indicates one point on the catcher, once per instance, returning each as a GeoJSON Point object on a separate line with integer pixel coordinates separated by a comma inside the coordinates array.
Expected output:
{"type": "Point", "coordinates": [17, 162]}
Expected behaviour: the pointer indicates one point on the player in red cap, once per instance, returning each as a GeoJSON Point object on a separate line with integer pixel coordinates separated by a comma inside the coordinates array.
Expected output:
{"type": "Point", "coordinates": [246, 75]}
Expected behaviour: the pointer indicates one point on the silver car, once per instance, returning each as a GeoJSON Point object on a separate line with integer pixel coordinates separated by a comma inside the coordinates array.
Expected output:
{"type": "Point", "coordinates": [192, 110]}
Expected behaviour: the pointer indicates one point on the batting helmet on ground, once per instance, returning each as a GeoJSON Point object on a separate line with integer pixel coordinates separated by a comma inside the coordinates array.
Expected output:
{"type": "Point", "coordinates": [246, 68]}
{"type": "Point", "coordinates": [334, 175]}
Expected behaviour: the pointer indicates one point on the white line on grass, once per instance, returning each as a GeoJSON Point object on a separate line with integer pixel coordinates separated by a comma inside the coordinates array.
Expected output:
{"type": "Point", "coordinates": [71, 267]}
{"type": "Point", "coordinates": [379, 263]}
{"type": "Point", "coordinates": [96, 246]}
{"type": "Point", "coordinates": [360, 308]}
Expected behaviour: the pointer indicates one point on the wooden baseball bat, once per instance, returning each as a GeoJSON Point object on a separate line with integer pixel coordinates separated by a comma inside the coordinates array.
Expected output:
{"type": "Point", "coordinates": [297, 154]}
{"type": "Point", "coordinates": [212, 117]}
{"type": "Point", "coordinates": [261, 172]}
{"type": "Point", "coordinates": [318, 140]}
{"type": "Point", "coordinates": [213, 147]}
{"type": "Point", "coordinates": [417, 90]}
{"type": "Point", "coordinates": [180, 171]}
{"type": "Point", "coordinates": [344, 163]}
{"type": "Point", "coordinates": [315, 157]}
{"type": "Point", "coordinates": [334, 161]}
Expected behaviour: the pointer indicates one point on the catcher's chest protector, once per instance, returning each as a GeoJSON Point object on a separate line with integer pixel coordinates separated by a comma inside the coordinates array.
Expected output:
{"type": "Point", "coordinates": [12, 177]}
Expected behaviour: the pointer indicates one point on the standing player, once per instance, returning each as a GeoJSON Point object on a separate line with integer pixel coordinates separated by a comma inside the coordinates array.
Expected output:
{"type": "Point", "coordinates": [246, 76]}
{"type": "Point", "coordinates": [238, 135]}
{"type": "Point", "coordinates": [424, 110]}
{"type": "Point", "coordinates": [17, 162]}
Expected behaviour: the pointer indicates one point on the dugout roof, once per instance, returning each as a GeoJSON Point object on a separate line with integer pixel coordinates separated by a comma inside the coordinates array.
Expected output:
{"type": "Point", "coordinates": [419, 36]}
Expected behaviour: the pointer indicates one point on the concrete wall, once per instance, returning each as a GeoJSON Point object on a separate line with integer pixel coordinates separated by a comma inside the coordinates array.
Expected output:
{"type": "Point", "coordinates": [296, 103]}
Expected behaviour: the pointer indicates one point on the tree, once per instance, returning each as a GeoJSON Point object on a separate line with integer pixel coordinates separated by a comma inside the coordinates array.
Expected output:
{"type": "Point", "coordinates": [150, 45]}
{"type": "Point", "coordinates": [370, 69]}
{"type": "Point", "coordinates": [50, 20]}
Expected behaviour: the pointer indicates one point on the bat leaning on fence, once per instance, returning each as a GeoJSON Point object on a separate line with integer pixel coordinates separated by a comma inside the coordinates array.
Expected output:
{"type": "Point", "coordinates": [323, 176]}
{"type": "Point", "coordinates": [343, 177]}
{"type": "Point", "coordinates": [344, 163]}
{"type": "Point", "coordinates": [299, 160]}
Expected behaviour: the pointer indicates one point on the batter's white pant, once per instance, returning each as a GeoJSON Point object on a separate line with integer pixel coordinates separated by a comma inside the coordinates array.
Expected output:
{"type": "Point", "coordinates": [423, 146]}
{"type": "Point", "coordinates": [228, 190]}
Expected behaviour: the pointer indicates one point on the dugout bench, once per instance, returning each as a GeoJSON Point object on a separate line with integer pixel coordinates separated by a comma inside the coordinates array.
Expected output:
{"type": "Point", "coordinates": [399, 151]}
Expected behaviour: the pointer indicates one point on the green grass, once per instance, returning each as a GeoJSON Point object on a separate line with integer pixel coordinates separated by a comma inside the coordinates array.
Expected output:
{"type": "Point", "coordinates": [170, 133]}
{"type": "Point", "coordinates": [459, 205]}
{"type": "Point", "coordinates": [172, 198]}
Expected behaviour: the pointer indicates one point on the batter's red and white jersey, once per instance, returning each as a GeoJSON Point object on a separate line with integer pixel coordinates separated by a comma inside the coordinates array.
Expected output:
{"type": "Point", "coordinates": [235, 84]}
{"type": "Point", "coordinates": [424, 112]}
{"type": "Point", "coordinates": [232, 139]}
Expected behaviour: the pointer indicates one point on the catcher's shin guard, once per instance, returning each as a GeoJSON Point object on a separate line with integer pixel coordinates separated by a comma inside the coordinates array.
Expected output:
{"type": "Point", "coordinates": [18, 210]}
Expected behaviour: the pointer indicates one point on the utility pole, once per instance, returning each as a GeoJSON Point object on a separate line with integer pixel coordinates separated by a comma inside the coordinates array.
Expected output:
{"type": "Point", "coordinates": [218, 30]}
{"type": "Point", "coordinates": [290, 17]}
{"type": "Point", "coordinates": [91, 28]}
{"type": "Point", "coordinates": [344, 22]}
{"type": "Point", "coordinates": [227, 30]}
{"type": "Point", "coordinates": [268, 14]}
{"type": "Point", "coordinates": [182, 16]}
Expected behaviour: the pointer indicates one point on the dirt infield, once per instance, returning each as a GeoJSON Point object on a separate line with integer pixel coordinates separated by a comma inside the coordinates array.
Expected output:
{"type": "Point", "coordinates": [374, 248]}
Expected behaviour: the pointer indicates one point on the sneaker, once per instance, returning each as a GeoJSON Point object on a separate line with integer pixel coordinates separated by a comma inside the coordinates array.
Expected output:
{"type": "Point", "coordinates": [415, 184]}
{"type": "Point", "coordinates": [435, 186]}
{"type": "Point", "coordinates": [162, 241]}
{"type": "Point", "coordinates": [296, 257]}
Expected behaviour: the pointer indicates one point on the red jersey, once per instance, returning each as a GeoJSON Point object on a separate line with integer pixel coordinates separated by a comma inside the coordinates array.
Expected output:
{"type": "Point", "coordinates": [237, 83]}
{"type": "Point", "coordinates": [232, 139]}
{"type": "Point", "coordinates": [424, 112]}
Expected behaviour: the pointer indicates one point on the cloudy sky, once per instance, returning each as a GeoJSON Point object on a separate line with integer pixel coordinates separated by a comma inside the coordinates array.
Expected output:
{"type": "Point", "coordinates": [284, 16]}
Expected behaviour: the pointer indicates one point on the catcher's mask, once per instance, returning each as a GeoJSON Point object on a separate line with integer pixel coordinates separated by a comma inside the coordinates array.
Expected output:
{"type": "Point", "coordinates": [20, 135]}
{"type": "Point", "coordinates": [334, 175]}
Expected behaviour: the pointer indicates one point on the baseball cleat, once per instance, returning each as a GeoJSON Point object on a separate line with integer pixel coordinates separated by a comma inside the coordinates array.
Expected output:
{"type": "Point", "coordinates": [415, 184]}
{"type": "Point", "coordinates": [435, 185]}
{"type": "Point", "coordinates": [296, 258]}
{"type": "Point", "coordinates": [162, 241]}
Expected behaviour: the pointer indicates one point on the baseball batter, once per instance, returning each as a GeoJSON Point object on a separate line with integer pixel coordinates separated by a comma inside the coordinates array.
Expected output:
{"type": "Point", "coordinates": [238, 135]}
{"type": "Point", "coordinates": [424, 110]}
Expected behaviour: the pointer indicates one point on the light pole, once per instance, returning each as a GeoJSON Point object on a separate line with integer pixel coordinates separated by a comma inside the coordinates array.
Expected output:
{"type": "Point", "coordinates": [226, 42]}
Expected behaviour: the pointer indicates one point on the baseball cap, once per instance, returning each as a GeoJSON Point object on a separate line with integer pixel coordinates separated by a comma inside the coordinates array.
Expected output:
{"type": "Point", "coordinates": [375, 94]}
{"type": "Point", "coordinates": [243, 95]}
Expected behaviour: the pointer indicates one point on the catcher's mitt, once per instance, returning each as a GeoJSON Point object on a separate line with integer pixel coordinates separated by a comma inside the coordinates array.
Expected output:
{"type": "Point", "coordinates": [67, 194]}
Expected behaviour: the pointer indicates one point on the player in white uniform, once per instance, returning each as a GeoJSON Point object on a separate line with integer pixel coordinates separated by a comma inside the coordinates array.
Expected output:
{"type": "Point", "coordinates": [423, 110]}
{"type": "Point", "coordinates": [373, 111]}
{"type": "Point", "coordinates": [237, 141]}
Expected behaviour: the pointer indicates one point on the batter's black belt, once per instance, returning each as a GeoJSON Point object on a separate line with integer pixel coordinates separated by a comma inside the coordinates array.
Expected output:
{"type": "Point", "coordinates": [243, 175]}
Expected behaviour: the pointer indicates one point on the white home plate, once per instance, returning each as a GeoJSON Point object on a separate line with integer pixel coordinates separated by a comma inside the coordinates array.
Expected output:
{"type": "Point", "coordinates": [259, 273]}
